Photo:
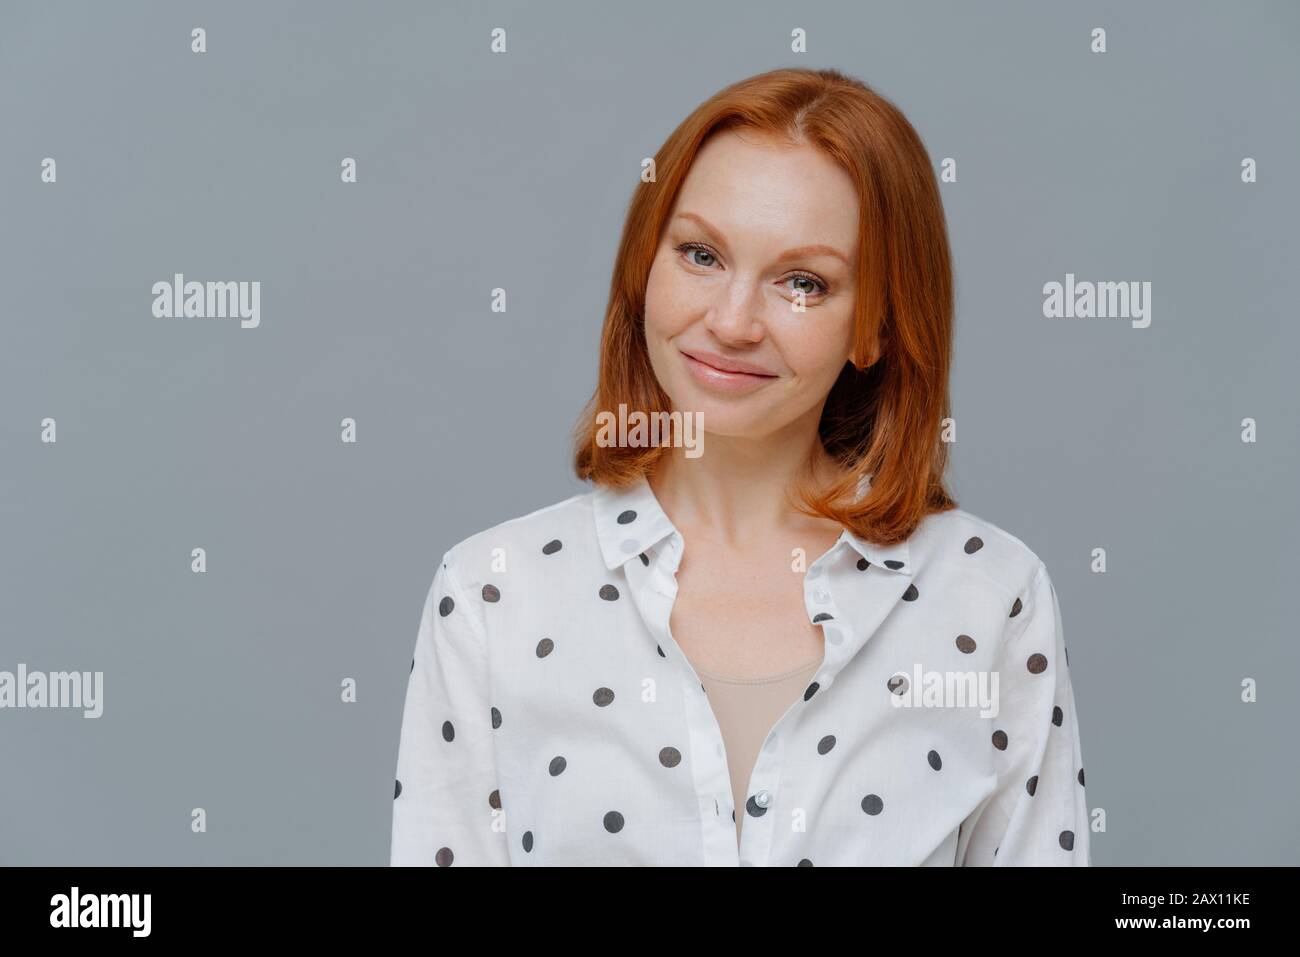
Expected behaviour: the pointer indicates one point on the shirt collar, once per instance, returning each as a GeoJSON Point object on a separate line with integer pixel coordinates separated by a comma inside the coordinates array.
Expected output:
{"type": "Point", "coordinates": [630, 520]}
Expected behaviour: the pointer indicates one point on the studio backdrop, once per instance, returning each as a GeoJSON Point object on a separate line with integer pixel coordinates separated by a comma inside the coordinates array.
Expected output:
{"type": "Point", "coordinates": [224, 517]}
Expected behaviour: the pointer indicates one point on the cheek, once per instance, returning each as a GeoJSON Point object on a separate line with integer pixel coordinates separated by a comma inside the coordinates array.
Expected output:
{"type": "Point", "coordinates": [666, 307]}
{"type": "Point", "coordinates": [816, 349]}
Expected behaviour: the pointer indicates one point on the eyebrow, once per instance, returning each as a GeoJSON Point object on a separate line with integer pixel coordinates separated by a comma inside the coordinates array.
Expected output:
{"type": "Point", "coordinates": [799, 252]}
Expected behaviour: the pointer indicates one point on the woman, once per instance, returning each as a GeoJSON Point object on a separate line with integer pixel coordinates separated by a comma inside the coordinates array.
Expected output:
{"type": "Point", "coordinates": [784, 645]}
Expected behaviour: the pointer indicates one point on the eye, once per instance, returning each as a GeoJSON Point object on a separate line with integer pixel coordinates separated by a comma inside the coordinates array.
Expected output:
{"type": "Point", "coordinates": [817, 287]}
{"type": "Point", "coordinates": [690, 249]}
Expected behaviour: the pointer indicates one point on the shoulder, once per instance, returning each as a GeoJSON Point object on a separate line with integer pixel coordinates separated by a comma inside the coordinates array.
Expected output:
{"type": "Point", "coordinates": [957, 538]}
{"type": "Point", "coordinates": [566, 527]}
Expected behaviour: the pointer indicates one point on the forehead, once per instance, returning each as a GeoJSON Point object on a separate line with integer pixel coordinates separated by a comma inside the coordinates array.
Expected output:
{"type": "Point", "coordinates": [748, 182]}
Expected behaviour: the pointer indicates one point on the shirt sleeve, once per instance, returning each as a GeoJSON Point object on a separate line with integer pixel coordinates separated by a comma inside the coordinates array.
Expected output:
{"type": "Point", "coordinates": [1038, 814]}
{"type": "Point", "coordinates": [446, 801]}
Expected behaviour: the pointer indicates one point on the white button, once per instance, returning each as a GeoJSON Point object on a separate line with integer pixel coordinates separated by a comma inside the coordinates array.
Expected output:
{"type": "Point", "coordinates": [821, 594]}
{"type": "Point", "coordinates": [763, 798]}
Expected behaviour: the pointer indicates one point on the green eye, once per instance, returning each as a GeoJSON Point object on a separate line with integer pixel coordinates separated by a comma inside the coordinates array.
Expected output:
{"type": "Point", "coordinates": [818, 287]}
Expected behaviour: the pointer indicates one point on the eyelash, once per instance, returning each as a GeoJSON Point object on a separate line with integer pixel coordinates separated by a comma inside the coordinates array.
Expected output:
{"type": "Point", "coordinates": [685, 248]}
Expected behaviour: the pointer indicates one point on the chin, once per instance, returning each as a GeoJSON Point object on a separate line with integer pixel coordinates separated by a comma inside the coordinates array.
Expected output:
{"type": "Point", "coordinates": [734, 418]}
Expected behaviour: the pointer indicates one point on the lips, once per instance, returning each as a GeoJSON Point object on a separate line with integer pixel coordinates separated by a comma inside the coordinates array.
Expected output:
{"type": "Point", "coordinates": [725, 376]}
{"type": "Point", "coordinates": [730, 366]}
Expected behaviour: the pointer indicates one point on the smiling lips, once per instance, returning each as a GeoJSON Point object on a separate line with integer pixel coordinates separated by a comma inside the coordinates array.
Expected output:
{"type": "Point", "coordinates": [728, 375]}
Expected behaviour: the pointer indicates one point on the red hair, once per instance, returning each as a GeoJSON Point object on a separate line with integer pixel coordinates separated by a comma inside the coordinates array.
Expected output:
{"type": "Point", "coordinates": [883, 416]}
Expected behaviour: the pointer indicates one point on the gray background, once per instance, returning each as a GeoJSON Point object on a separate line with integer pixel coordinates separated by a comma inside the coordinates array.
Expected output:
{"type": "Point", "coordinates": [480, 170]}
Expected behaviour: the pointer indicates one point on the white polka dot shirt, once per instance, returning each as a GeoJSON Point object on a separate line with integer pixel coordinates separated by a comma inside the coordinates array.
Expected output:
{"type": "Point", "coordinates": [551, 719]}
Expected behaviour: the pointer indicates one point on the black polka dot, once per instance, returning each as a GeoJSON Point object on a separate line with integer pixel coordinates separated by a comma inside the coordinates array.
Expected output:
{"type": "Point", "coordinates": [810, 690]}
{"type": "Point", "coordinates": [897, 684]}
{"type": "Point", "coordinates": [496, 719]}
{"type": "Point", "coordinates": [494, 799]}
{"type": "Point", "coordinates": [602, 697]}
{"type": "Point", "coordinates": [627, 518]}
{"type": "Point", "coordinates": [397, 791]}
{"type": "Point", "coordinates": [1015, 608]}
{"type": "Point", "coordinates": [1081, 776]}
{"type": "Point", "coordinates": [863, 564]}
{"type": "Point", "coordinates": [445, 606]}
{"type": "Point", "coordinates": [557, 766]}
{"type": "Point", "coordinates": [753, 809]}
{"type": "Point", "coordinates": [805, 863]}
{"type": "Point", "coordinates": [965, 644]}
{"type": "Point", "coordinates": [935, 761]}
{"type": "Point", "coordinates": [974, 544]}
{"type": "Point", "coordinates": [1000, 740]}
{"type": "Point", "coordinates": [613, 822]}
{"type": "Point", "coordinates": [911, 593]}
{"type": "Point", "coordinates": [1057, 715]}
{"type": "Point", "coordinates": [412, 664]}
{"type": "Point", "coordinates": [670, 757]}
{"type": "Point", "coordinates": [545, 647]}
{"type": "Point", "coordinates": [825, 744]}
{"type": "Point", "coordinates": [1036, 664]}
{"type": "Point", "coordinates": [527, 842]}
{"type": "Point", "coordinates": [609, 593]}
{"type": "Point", "coordinates": [444, 857]}
{"type": "Point", "coordinates": [448, 731]}
{"type": "Point", "coordinates": [491, 593]}
{"type": "Point", "coordinates": [821, 616]}
{"type": "Point", "coordinates": [872, 804]}
{"type": "Point", "coordinates": [1067, 840]}
{"type": "Point", "coordinates": [644, 560]}
{"type": "Point", "coordinates": [551, 547]}
{"type": "Point", "coordinates": [661, 652]}
{"type": "Point", "coordinates": [892, 563]}
{"type": "Point", "coordinates": [1032, 785]}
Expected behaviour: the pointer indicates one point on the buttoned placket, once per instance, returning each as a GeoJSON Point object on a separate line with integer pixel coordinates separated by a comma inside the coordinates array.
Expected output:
{"type": "Point", "coordinates": [765, 778]}
{"type": "Point", "coordinates": [654, 589]}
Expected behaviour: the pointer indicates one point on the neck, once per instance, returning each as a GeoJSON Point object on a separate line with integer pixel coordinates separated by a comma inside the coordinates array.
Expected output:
{"type": "Point", "coordinates": [736, 492]}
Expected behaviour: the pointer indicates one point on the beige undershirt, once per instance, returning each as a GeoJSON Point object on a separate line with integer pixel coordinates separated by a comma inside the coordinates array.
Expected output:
{"type": "Point", "coordinates": [746, 709]}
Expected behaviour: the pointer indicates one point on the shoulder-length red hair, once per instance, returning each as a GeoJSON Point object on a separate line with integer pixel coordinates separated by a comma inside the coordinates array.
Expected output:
{"type": "Point", "coordinates": [883, 416]}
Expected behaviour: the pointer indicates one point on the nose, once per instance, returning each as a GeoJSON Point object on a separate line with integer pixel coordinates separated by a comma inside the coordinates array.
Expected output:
{"type": "Point", "coordinates": [735, 317]}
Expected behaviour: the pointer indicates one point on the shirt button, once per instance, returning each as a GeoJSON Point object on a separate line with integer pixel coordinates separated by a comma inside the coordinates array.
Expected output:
{"type": "Point", "coordinates": [821, 594]}
{"type": "Point", "coordinates": [763, 798]}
